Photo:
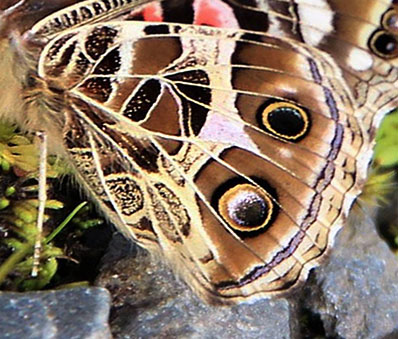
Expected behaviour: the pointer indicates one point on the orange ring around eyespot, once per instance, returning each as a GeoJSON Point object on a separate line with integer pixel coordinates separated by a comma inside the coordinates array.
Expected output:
{"type": "Point", "coordinates": [271, 107]}
{"type": "Point", "coordinates": [225, 200]}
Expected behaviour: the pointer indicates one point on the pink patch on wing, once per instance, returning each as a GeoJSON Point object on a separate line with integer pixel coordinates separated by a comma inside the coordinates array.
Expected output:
{"type": "Point", "coordinates": [214, 13]}
{"type": "Point", "coordinates": [153, 12]}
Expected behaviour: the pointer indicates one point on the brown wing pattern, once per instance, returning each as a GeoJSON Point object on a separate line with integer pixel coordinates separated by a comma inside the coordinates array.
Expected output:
{"type": "Point", "coordinates": [194, 156]}
{"type": "Point", "coordinates": [234, 153]}
{"type": "Point", "coordinates": [360, 35]}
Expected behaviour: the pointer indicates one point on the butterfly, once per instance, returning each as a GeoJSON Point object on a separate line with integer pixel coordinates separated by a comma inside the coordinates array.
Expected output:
{"type": "Point", "coordinates": [229, 137]}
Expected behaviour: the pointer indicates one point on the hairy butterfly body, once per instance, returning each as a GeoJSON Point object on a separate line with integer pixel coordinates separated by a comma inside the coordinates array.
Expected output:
{"type": "Point", "coordinates": [234, 151]}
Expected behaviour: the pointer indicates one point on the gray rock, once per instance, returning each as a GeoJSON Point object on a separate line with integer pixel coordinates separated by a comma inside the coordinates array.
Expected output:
{"type": "Point", "coordinates": [353, 295]}
{"type": "Point", "coordinates": [356, 293]}
{"type": "Point", "coordinates": [149, 302]}
{"type": "Point", "coordinates": [68, 313]}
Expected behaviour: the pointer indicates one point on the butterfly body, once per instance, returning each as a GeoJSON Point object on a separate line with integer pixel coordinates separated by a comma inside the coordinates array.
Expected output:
{"type": "Point", "coordinates": [236, 151]}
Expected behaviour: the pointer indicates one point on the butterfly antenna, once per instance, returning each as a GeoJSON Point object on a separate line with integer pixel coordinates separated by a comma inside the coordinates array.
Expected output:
{"type": "Point", "coordinates": [42, 201]}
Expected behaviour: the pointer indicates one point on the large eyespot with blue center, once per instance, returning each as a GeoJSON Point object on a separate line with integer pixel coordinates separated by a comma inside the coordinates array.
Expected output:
{"type": "Point", "coordinates": [283, 119]}
{"type": "Point", "coordinates": [246, 207]}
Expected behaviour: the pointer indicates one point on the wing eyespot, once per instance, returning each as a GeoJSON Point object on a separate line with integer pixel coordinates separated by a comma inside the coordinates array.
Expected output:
{"type": "Point", "coordinates": [389, 21]}
{"type": "Point", "coordinates": [384, 44]}
{"type": "Point", "coordinates": [284, 120]}
{"type": "Point", "coordinates": [247, 208]}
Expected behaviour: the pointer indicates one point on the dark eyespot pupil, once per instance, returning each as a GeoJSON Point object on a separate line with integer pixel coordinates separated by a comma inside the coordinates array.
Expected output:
{"type": "Point", "coordinates": [386, 44]}
{"type": "Point", "coordinates": [286, 121]}
{"type": "Point", "coordinates": [250, 211]}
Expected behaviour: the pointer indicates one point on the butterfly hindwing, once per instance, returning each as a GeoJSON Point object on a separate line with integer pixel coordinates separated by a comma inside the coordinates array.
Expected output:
{"type": "Point", "coordinates": [209, 108]}
{"type": "Point", "coordinates": [234, 151]}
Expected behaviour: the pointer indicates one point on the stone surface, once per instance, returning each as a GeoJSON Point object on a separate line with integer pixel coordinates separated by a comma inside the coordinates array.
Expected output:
{"type": "Point", "coordinates": [356, 293]}
{"type": "Point", "coordinates": [68, 313]}
{"type": "Point", "coordinates": [150, 302]}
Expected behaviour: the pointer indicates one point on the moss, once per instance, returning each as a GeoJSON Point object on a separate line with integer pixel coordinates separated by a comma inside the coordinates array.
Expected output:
{"type": "Point", "coordinates": [386, 150]}
{"type": "Point", "coordinates": [18, 214]}
{"type": "Point", "coordinates": [381, 187]}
